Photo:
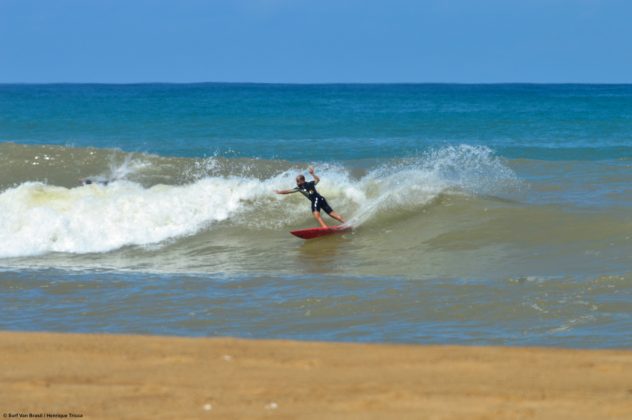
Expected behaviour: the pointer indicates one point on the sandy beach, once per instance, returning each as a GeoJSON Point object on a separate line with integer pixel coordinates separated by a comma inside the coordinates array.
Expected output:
{"type": "Point", "coordinates": [109, 376]}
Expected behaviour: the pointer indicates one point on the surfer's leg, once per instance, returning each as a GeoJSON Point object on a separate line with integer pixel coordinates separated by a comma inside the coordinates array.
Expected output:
{"type": "Point", "coordinates": [325, 206]}
{"type": "Point", "coordinates": [319, 219]}
{"type": "Point", "coordinates": [316, 212]}
{"type": "Point", "coordinates": [336, 216]}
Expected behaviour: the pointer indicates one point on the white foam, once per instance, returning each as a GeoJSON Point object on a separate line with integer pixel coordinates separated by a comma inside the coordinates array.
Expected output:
{"type": "Point", "coordinates": [39, 218]}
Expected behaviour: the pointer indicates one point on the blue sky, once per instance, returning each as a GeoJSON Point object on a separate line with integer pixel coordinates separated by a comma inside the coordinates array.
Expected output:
{"type": "Point", "coordinates": [300, 41]}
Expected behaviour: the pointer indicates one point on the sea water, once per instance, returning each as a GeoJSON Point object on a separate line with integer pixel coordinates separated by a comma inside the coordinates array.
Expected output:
{"type": "Point", "coordinates": [482, 214]}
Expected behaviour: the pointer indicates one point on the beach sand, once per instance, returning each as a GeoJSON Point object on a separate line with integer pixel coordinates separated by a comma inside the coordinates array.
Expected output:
{"type": "Point", "coordinates": [110, 376]}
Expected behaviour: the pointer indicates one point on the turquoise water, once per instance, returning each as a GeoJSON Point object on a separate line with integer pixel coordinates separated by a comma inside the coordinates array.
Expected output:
{"type": "Point", "coordinates": [482, 214]}
{"type": "Point", "coordinates": [324, 122]}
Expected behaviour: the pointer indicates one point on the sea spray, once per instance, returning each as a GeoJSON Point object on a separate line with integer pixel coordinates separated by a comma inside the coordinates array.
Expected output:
{"type": "Point", "coordinates": [411, 183]}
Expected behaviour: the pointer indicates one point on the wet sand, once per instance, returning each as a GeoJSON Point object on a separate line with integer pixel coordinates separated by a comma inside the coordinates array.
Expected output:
{"type": "Point", "coordinates": [109, 376]}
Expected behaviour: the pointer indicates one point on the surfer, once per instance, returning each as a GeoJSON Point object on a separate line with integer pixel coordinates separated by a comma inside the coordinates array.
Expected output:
{"type": "Point", "coordinates": [308, 189]}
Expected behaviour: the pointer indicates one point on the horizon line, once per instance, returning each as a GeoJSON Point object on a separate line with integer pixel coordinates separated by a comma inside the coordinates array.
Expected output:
{"type": "Point", "coordinates": [310, 83]}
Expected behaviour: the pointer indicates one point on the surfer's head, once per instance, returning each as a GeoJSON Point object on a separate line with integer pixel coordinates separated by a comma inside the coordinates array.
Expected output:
{"type": "Point", "coordinates": [300, 180]}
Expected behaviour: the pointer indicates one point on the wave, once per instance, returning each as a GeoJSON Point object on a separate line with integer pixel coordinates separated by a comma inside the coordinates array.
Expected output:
{"type": "Point", "coordinates": [127, 207]}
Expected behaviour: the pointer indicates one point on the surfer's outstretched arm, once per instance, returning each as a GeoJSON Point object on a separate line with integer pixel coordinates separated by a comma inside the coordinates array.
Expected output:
{"type": "Point", "coordinates": [316, 178]}
{"type": "Point", "coordinates": [293, 190]}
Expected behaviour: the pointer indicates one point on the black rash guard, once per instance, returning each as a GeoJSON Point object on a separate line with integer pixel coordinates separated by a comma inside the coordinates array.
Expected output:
{"type": "Point", "coordinates": [308, 189]}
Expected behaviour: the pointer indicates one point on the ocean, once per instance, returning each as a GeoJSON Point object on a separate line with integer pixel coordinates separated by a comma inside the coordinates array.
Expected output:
{"type": "Point", "coordinates": [482, 214]}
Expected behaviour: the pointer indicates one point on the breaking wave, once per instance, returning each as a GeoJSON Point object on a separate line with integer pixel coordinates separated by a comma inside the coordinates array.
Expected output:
{"type": "Point", "coordinates": [119, 209]}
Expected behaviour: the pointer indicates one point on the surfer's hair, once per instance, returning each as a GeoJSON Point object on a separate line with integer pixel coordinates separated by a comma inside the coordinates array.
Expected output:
{"type": "Point", "coordinates": [300, 177]}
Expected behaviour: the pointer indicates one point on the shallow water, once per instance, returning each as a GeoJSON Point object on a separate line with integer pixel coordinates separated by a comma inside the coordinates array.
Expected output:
{"type": "Point", "coordinates": [564, 312]}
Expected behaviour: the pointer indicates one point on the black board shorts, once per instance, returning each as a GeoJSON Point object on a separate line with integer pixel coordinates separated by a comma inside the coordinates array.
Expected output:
{"type": "Point", "coordinates": [319, 203]}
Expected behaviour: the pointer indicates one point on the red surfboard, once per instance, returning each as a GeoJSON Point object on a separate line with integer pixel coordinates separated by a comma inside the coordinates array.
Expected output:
{"type": "Point", "coordinates": [312, 233]}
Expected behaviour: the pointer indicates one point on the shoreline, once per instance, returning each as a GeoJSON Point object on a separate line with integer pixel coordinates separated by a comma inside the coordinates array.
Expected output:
{"type": "Point", "coordinates": [126, 376]}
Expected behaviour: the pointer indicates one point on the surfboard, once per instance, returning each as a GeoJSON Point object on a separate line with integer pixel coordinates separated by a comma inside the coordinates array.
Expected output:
{"type": "Point", "coordinates": [312, 233]}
